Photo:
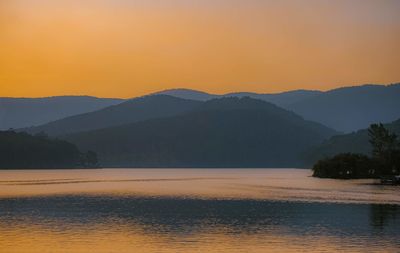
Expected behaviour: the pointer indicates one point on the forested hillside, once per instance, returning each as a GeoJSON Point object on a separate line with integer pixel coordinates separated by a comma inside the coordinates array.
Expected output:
{"type": "Point", "coordinates": [134, 110]}
{"type": "Point", "coordinates": [24, 151]}
{"type": "Point", "coordinates": [228, 132]}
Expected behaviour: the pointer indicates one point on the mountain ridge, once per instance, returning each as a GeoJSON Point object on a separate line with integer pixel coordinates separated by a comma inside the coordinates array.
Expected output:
{"type": "Point", "coordinates": [130, 111]}
{"type": "Point", "coordinates": [234, 136]}
{"type": "Point", "coordinates": [352, 108]}
{"type": "Point", "coordinates": [345, 109]}
{"type": "Point", "coordinates": [25, 112]}
{"type": "Point", "coordinates": [277, 98]}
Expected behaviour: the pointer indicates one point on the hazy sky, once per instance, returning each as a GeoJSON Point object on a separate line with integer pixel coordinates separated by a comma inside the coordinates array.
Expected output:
{"type": "Point", "coordinates": [123, 48]}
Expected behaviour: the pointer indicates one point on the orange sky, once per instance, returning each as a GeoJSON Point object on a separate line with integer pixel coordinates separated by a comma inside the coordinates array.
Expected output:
{"type": "Point", "coordinates": [122, 48]}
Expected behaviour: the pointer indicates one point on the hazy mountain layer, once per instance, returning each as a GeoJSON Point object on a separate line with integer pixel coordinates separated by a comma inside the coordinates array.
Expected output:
{"type": "Point", "coordinates": [229, 132]}
{"type": "Point", "coordinates": [280, 99]}
{"type": "Point", "coordinates": [344, 109]}
{"type": "Point", "coordinates": [27, 112]}
{"type": "Point", "coordinates": [353, 108]}
{"type": "Point", "coordinates": [133, 110]}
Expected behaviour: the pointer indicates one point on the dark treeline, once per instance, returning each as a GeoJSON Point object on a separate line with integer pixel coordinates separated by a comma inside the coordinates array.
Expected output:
{"type": "Point", "coordinates": [384, 159]}
{"type": "Point", "coordinates": [24, 151]}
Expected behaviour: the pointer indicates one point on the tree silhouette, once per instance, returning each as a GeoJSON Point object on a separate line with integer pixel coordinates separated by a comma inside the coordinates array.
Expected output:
{"type": "Point", "coordinates": [383, 142]}
{"type": "Point", "coordinates": [385, 158]}
{"type": "Point", "coordinates": [385, 148]}
{"type": "Point", "coordinates": [24, 151]}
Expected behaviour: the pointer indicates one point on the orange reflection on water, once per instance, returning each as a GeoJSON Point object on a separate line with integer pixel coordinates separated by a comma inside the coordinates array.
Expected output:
{"type": "Point", "coordinates": [109, 238]}
{"type": "Point", "coordinates": [267, 184]}
{"type": "Point", "coordinates": [194, 210]}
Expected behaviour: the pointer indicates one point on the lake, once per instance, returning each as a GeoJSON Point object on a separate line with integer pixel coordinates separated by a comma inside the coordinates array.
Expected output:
{"type": "Point", "coordinates": [194, 210]}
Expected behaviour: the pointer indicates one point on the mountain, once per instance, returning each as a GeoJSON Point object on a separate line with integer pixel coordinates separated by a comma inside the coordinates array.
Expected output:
{"type": "Point", "coordinates": [345, 109]}
{"type": "Point", "coordinates": [356, 142]}
{"type": "Point", "coordinates": [187, 94]}
{"type": "Point", "coordinates": [133, 110]}
{"type": "Point", "coordinates": [227, 132]}
{"type": "Point", "coordinates": [24, 151]}
{"type": "Point", "coordinates": [352, 108]}
{"type": "Point", "coordinates": [280, 99]}
{"type": "Point", "coordinates": [26, 112]}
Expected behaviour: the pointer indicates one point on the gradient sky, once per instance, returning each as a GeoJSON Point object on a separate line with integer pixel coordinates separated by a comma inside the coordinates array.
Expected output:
{"type": "Point", "coordinates": [122, 48]}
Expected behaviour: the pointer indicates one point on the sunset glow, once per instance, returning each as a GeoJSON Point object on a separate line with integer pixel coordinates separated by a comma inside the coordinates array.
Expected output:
{"type": "Point", "coordinates": [129, 48]}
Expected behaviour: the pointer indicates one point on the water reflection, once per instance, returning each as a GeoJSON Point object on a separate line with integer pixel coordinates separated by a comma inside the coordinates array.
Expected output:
{"type": "Point", "coordinates": [383, 215]}
{"type": "Point", "coordinates": [263, 184]}
{"type": "Point", "coordinates": [87, 223]}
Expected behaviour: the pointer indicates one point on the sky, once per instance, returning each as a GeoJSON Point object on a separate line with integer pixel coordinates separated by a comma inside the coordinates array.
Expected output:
{"type": "Point", "coordinates": [127, 48]}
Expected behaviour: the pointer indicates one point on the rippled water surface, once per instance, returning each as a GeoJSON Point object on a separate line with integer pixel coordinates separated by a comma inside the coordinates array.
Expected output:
{"type": "Point", "coordinates": [194, 210]}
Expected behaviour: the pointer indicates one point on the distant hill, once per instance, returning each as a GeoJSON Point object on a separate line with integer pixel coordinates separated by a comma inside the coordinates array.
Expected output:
{"type": "Point", "coordinates": [280, 99]}
{"type": "Point", "coordinates": [227, 132]}
{"type": "Point", "coordinates": [24, 151]}
{"type": "Point", "coordinates": [345, 109]}
{"type": "Point", "coordinates": [352, 108]}
{"type": "Point", "coordinates": [138, 109]}
{"type": "Point", "coordinates": [27, 112]}
{"type": "Point", "coordinates": [187, 94]}
{"type": "Point", "coordinates": [356, 142]}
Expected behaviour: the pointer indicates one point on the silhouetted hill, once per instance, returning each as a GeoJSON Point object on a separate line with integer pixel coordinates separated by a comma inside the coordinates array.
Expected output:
{"type": "Point", "coordinates": [187, 94]}
{"type": "Point", "coordinates": [280, 99]}
{"type": "Point", "coordinates": [345, 109]}
{"type": "Point", "coordinates": [27, 112]}
{"type": "Point", "coordinates": [356, 142]}
{"type": "Point", "coordinates": [24, 151]}
{"type": "Point", "coordinates": [228, 132]}
{"type": "Point", "coordinates": [352, 108]}
{"type": "Point", "coordinates": [133, 110]}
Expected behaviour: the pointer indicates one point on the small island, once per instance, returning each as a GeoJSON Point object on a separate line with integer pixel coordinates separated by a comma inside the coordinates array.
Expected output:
{"type": "Point", "coordinates": [384, 162]}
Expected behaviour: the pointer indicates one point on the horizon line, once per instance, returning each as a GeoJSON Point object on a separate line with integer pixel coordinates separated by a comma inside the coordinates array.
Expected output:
{"type": "Point", "coordinates": [205, 92]}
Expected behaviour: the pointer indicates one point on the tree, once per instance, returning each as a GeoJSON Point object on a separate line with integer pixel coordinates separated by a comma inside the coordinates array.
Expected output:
{"type": "Point", "coordinates": [383, 142]}
{"type": "Point", "coordinates": [385, 148]}
{"type": "Point", "coordinates": [385, 158]}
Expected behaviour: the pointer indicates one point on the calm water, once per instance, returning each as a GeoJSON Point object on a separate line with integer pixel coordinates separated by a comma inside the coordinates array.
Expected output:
{"type": "Point", "coordinates": [241, 210]}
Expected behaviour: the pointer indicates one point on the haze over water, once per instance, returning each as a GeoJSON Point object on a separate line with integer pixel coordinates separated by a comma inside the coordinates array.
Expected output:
{"type": "Point", "coordinates": [194, 210]}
